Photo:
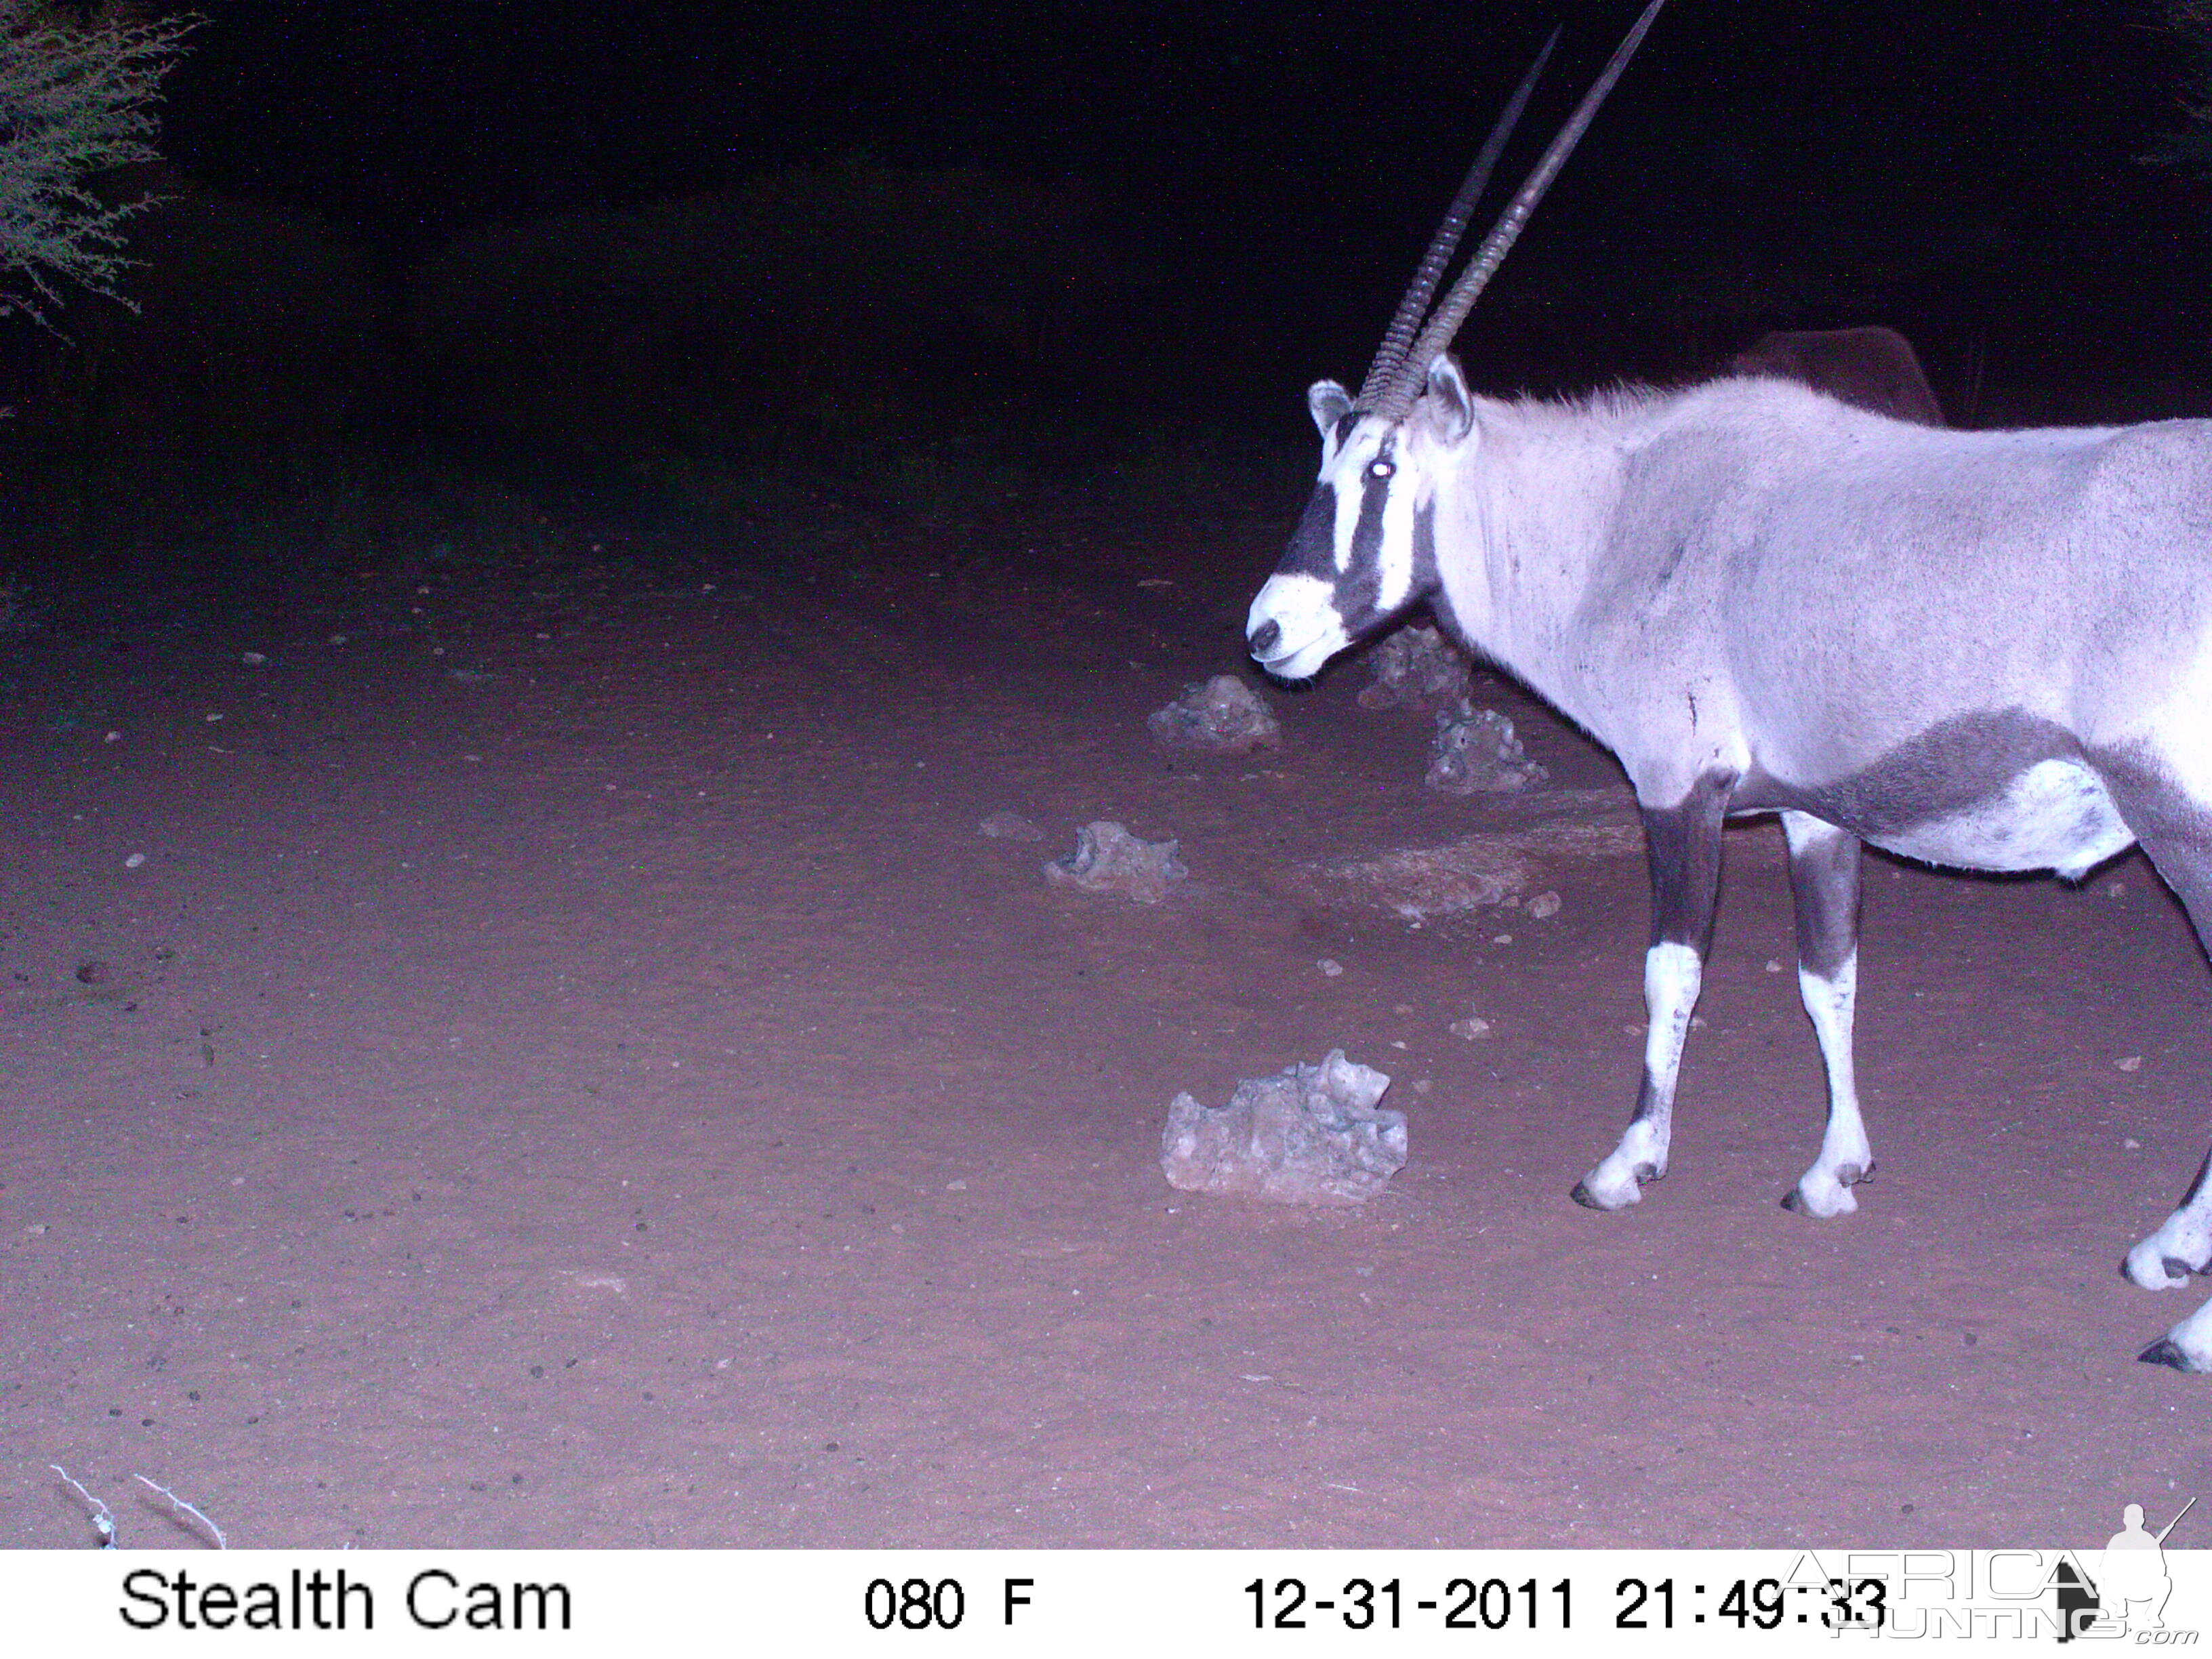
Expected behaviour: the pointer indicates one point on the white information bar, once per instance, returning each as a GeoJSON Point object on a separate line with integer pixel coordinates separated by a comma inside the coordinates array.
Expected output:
{"type": "Point", "coordinates": [1145, 1603]}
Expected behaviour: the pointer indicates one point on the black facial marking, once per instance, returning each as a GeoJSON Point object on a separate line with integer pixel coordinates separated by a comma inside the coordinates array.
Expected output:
{"type": "Point", "coordinates": [1823, 884]}
{"type": "Point", "coordinates": [1359, 590]}
{"type": "Point", "coordinates": [1424, 548]}
{"type": "Point", "coordinates": [1344, 422]}
{"type": "Point", "coordinates": [1312, 552]}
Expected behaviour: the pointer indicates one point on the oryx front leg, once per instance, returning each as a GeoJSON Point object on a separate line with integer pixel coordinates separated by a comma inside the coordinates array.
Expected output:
{"type": "Point", "coordinates": [1684, 842]}
{"type": "Point", "coordinates": [1824, 880]}
{"type": "Point", "coordinates": [2181, 1246]}
{"type": "Point", "coordinates": [2175, 827]}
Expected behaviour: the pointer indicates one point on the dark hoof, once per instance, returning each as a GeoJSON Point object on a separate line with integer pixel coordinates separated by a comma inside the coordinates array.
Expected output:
{"type": "Point", "coordinates": [1851, 1175]}
{"type": "Point", "coordinates": [1792, 1203]}
{"type": "Point", "coordinates": [1581, 1196]}
{"type": "Point", "coordinates": [2164, 1352]}
{"type": "Point", "coordinates": [1649, 1172]}
{"type": "Point", "coordinates": [2174, 1264]}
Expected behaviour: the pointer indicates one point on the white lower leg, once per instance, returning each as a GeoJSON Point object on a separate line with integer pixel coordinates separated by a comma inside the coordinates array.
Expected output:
{"type": "Point", "coordinates": [1672, 976]}
{"type": "Point", "coordinates": [2181, 1246]}
{"type": "Point", "coordinates": [1845, 1158]}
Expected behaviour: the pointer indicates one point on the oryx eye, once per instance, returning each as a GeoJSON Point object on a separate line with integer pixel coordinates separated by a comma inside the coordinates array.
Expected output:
{"type": "Point", "coordinates": [1380, 469]}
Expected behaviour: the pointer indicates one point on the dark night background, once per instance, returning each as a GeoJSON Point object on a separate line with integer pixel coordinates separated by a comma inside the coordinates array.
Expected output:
{"type": "Point", "coordinates": [542, 667]}
{"type": "Point", "coordinates": [933, 254]}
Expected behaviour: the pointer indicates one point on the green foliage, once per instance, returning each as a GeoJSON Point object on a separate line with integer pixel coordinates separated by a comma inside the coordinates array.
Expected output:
{"type": "Point", "coordinates": [78, 91]}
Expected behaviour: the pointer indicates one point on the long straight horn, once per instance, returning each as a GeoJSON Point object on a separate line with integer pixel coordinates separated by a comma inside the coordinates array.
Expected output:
{"type": "Point", "coordinates": [1437, 335]}
{"type": "Point", "coordinates": [1398, 338]}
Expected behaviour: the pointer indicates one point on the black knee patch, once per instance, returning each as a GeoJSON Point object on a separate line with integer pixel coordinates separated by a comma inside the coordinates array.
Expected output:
{"type": "Point", "coordinates": [1824, 886]}
{"type": "Point", "coordinates": [1684, 844]}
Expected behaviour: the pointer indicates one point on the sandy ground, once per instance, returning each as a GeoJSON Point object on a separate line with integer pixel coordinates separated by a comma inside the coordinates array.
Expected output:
{"type": "Point", "coordinates": [568, 1071]}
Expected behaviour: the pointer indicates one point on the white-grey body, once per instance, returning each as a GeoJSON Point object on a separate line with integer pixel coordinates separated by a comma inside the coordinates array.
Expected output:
{"type": "Point", "coordinates": [1988, 650]}
{"type": "Point", "coordinates": [1749, 576]}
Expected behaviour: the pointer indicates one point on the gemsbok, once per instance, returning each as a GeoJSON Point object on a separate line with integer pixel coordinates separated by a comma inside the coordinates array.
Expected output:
{"type": "Point", "coordinates": [1986, 650]}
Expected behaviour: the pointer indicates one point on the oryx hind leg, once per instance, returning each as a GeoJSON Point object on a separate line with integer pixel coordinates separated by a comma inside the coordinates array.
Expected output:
{"type": "Point", "coordinates": [1684, 844]}
{"type": "Point", "coordinates": [2175, 829]}
{"type": "Point", "coordinates": [1823, 881]}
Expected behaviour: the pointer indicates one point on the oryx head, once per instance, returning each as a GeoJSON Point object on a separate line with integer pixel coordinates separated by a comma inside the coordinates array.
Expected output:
{"type": "Point", "coordinates": [1365, 549]}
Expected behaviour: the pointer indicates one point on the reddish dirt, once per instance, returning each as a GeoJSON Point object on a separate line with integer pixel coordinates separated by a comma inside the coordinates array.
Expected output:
{"type": "Point", "coordinates": [618, 1098]}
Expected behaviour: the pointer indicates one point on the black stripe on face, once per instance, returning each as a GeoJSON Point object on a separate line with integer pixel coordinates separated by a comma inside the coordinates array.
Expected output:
{"type": "Point", "coordinates": [1358, 597]}
{"type": "Point", "coordinates": [1360, 589]}
{"type": "Point", "coordinates": [1312, 552]}
{"type": "Point", "coordinates": [1424, 548]}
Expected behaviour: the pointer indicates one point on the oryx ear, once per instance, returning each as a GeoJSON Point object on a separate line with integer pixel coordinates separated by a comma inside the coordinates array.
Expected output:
{"type": "Point", "coordinates": [1329, 403]}
{"type": "Point", "coordinates": [1449, 406]}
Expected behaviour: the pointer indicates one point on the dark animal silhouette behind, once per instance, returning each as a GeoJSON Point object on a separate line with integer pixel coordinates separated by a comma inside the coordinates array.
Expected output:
{"type": "Point", "coordinates": [1872, 368]}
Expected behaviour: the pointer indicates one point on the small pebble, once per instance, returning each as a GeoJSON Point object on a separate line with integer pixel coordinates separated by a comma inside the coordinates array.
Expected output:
{"type": "Point", "coordinates": [1503, 939]}
{"type": "Point", "coordinates": [1773, 966]}
{"type": "Point", "coordinates": [1330, 966]}
{"type": "Point", "coordinates": [134, 860]}
{"type": "Point", "coordinates": [253, 658]}
{"type": "Point", "coordinates": [1544, 906]}
{"type": "Point", "coordinates": [2130, 1144]}
{"type": "Point", "coordinates": [2132, 1063]}
{"type": "Point", "coordinates": [1471, 1027]}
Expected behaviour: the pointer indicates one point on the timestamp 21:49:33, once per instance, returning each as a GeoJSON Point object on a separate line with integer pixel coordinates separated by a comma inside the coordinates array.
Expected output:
{"type": "Point", "coordinates": [1469, 1603]}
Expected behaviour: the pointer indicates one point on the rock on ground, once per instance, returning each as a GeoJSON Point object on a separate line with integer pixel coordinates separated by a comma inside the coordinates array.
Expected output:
{"type": "Point", "coordinates": [1225, 716]}
{"type": "Point", "coordinates": [1108, 859]}
{"type": "Point", "coordinates": [1309, 1134]}
{"type": "Point", "coordinates": [1009, 826]}
{"type": "Point", "coordinates": [1416, 665]}
{"type": "Point", "coordinates": [1476, 752]}
{"type": "Point", "coordinates": [1458, 877]}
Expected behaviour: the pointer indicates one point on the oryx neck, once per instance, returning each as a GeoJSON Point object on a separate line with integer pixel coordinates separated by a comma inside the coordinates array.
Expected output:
{"type": "Point", "coordinates": [1537, 510]}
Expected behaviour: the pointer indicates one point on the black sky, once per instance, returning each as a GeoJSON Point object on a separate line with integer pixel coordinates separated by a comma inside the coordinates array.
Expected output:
{"type": "Point", "coordinates": [407, 116]}
{"type": "Point", "coordinates": [1277, 155]}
